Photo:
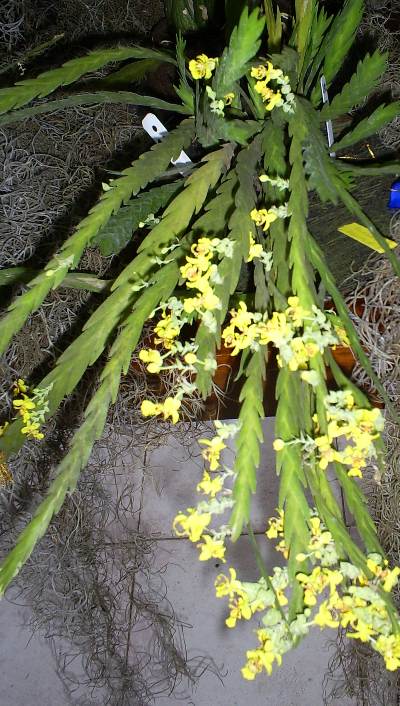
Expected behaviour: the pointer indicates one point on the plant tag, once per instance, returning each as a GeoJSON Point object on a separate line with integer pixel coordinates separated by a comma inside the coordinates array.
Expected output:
{"type": "Point", "coordinates": [364, 236]}
{"type": "Point", "coordinates": [329, 127]}
{"type": "Point", "coordinates": [157, 132]}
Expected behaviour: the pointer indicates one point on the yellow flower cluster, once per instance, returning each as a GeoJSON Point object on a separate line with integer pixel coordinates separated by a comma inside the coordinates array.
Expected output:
{"type": "Point", "coordinates": [32, 407]}
{"type": "Point", "coordinates": [273, 87]}
{"type": "Point", "coordinates": [263, 217]}
{"type": "Point", "coordinates": [354, 601]}
{"type": "Point", "coordinates": [199, 272]}
{"type": "Point", "coordinates": [169, 408]}
{"type": "Point", "coordinates": [202, 66]}
{"type": "Point", "coordinates": [298, 334]}
{"type": "Point", "coordinates": [197, 520]}
{"type": "Point", "coordinates": [167, 330]}
{"type": "Point", "coordinates": [241, 605]}
{"type": "Point", "coordinates": [356, 428]}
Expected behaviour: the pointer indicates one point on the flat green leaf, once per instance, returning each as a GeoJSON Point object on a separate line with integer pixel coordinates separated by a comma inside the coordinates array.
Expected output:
{"type": "Point", "coordinates": [289, 466]}
{"type": "Point", "coordinates": [247, 442]}
{"type": "Point", "coordinates": [44, 84]}
{"type": "Point", "coordinates": [73, 280]}
{"type": "Point", "coordinates": [130, 73]}
{"type": "Point", "coordinates": [369, 126]}
{"type": "Point", "coordinates": [368, 168]}
{"type": "Point", "coordinates": [243, 45]}
{"type": "Point", "coordinates": [363, 82]}
{"type": "Point", "coordinates": [304, 17]}
{"type": "Point", "coordinates": [108, 97]}
{"type": "Point", "coordinates": [337, 43]}
{"type": "Point", "coordinates": [176, 218]}
{"type": "Point", "coordinates": [117, 233]}
{"type": "Point", "coordinates": [240, 225]}
{"type": "Point", "coordinates": [320, 25]}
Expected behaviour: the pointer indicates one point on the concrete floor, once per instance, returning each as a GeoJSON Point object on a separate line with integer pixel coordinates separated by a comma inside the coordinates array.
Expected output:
{"type": "Point", "coordinates": [167, 484]}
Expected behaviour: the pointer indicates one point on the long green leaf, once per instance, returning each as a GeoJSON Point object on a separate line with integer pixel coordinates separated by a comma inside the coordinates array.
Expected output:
{"type": "Point", "coordinates": [87, 347]}
{"type": "Point", "coordinates": [292, 499]}
{"type": "Point", "coordinates": [248, 440]}
{"type": "Point", "coordinates": [320, 265]}
{"type": "Point", "coordinates": [98, 98]}
{"type": "Point", "coordinates": [178, 215]}
{"type": "Point", "coordinates": [130, 73]}
{"type": "Point", "coordinates": [367, 168]}
{"type": "Point", "coordinates": [44, 84]}
{"type": "Point", "coordinates": [305, 11]}
{"type": "Point", "coordinates": [362, 83]}
{"type": "Point", "coordinates": [92, 427]}
{"type": "Point", "coordinates": [145, 170]}
{"type": "Point", "coordinates": [275, 164]}
{"type": "Point", "coordinates": [337, 42]}
{"type": "Point", "coordinates": [74, 280]}
{"type": "Point", "coordinates": [240, 225]}
{"type": "Point", "coordinates": [320, 25]}
{"type": "Point", "coordinates": [117, 233]}
{"type": "Point", "coordinates": [370, 125]}
{"type": "Point", "coordinates": [243, 45]}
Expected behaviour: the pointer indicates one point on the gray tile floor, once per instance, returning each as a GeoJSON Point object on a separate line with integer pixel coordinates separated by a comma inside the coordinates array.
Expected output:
{"type": "Point", "coordinates": [165, 479]}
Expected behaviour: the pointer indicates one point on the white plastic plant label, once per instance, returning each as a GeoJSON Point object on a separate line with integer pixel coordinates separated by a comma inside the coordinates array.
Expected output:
{"type": "Point", "coordinates": [157, 132]}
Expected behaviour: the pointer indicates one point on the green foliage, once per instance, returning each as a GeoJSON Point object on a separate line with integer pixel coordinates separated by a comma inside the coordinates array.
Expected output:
{"type": "Point", "coordinates": [215, 200]}
{"type": "Point", "coordinates": [248, 441]}
{"type": "Point", "coordinates": [318, 261]}
{"type": "Point", "coordinates": [317, 163]}
{"type": "Point", "coordinates": [369, 168]}
{"type": "Point", "coordinates": [243, 45]}
{"type": "Point", "coordinates": [92, 427]}
{"type": "Point", "coordinates": [305, 12]}
{"type": "Point", "coordinates": [73, 280]}
{"type": "Point", "coordinates": [319, 27]}
{"type": "Point", "coordinates": [178, 214]}
{"type": "Point", "coordinates": [240, 225]}
{"type": "Point", "coordinates": [133, 72]}
{"type": "Point", "coordinates": [292, 500]}
{"type": "Point", "coordinates": [362, 83]}
{"type": "Point", "coordinates": [275, 164]}
{"type": "Point", "coordinates": [274, 25]}
{"type": "Point", "coordinates": [369, 125]}
{"type": "Point", "coordinates": [91, 343]}
{"type": "Point", "coordinates": [146, 169]}
{"type": "Point", "coordinates": [117, 233]}
{"type": "Point", "coordinates": [184, 90]}
{"type": "Point", "coordinates": [337, 42]}
{"type": "Point", "coordinates": [108, 97]}
{"type": "Point", "coordinates": [214, 222]}
{"type": "Point", "coordinates": [25, 91]}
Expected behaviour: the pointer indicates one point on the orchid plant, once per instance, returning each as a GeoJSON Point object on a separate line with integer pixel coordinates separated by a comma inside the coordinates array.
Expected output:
{"type": "Point", "coordinates": [259, 115]}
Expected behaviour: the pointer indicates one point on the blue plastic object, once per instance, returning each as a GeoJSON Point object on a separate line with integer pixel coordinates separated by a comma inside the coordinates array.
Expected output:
{"type": "Point", "coordinates": [394, 197]}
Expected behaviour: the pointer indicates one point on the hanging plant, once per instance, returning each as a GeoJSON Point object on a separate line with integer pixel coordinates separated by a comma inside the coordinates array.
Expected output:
{"type": "Point", "coordinates": [257, 112]}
